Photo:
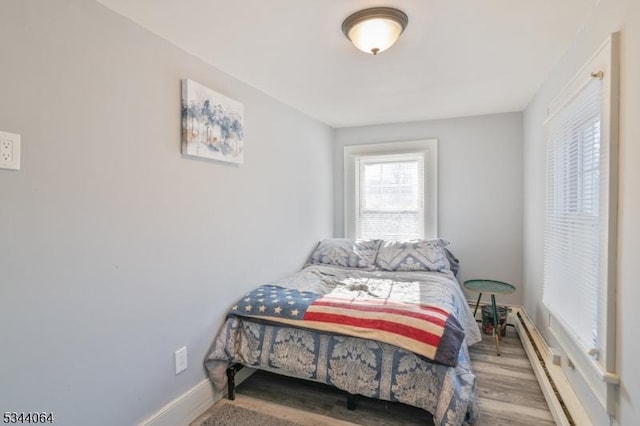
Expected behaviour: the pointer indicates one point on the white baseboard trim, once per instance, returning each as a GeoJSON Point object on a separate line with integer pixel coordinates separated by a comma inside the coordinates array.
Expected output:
{"type": "Point", "coordinates": [551, 378]}
{"type": "Point", "coordinates": [190, 405]}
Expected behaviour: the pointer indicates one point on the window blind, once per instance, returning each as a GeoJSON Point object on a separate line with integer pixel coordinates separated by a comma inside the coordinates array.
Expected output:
{"type": "Point", "coordinates": [576, 232]}
{"type": "Point", "coordinates": [390, 197]}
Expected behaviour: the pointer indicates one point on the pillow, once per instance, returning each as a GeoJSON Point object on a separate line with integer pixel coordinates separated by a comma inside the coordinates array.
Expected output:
{"type": "Point", "coordinates": [414, 255]}
{"type": "Point", "coordinates": [346, 252]}
{"type": "Point", "coordinates": [453, 262]}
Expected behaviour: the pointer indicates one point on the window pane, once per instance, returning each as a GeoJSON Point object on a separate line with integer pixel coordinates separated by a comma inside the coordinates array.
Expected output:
{"type": "Point", "coordinates": [390, 186]}
{"type": "Point", "coordinates": [391, 197]}
{"type": "Point", "coordinates": [575, 228]}
{"type": "Point", "coordinates": [394, 226]}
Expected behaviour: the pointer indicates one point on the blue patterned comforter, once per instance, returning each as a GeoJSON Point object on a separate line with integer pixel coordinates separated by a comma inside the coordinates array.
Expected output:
{"type": "Point", "coordinates": [357, 365]}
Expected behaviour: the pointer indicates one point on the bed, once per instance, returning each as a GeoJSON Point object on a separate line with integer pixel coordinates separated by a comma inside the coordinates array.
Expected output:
{"type": "Point", "coordinates": [343, 339]}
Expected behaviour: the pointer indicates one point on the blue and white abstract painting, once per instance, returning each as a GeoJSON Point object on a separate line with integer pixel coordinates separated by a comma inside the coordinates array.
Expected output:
{"type": "Point", "coordinates": [211, 124]}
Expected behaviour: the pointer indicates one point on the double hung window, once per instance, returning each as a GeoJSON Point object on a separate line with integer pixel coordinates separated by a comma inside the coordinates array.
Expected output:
{"type": "Point", "coordinates": [580, 231]}
{"type": "Point", "coordinates": [391, 190]}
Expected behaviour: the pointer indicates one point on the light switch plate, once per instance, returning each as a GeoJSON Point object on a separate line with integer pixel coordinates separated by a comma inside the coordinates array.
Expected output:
{"type": "Point", "coordinates": [9, 151]}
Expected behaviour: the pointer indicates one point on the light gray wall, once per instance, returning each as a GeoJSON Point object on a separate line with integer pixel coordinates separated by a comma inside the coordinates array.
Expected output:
{"type": "Point", "coordinates": [114, 250]}
{"type": "Point", "coordinates": [480, 189]}
{"type": "Point", "coordinates": [609, 16]}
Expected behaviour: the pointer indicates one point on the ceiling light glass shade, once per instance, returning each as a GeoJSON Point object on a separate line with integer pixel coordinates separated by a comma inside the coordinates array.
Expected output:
{"type": "Point", "coordinates": [375, 30]}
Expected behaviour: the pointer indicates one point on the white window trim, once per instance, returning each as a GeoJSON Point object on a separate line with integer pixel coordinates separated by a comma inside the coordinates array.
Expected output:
{"type": "Point", "coordinates": [599, 374]}
{"type": "Point", "coordinates": [429, 150]}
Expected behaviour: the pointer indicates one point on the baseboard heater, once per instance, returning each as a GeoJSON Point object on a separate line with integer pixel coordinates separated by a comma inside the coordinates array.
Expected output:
{"type": "Point", "coordinates": [564, 404]}
{"type": "Point", "coordinates": [556, 394]}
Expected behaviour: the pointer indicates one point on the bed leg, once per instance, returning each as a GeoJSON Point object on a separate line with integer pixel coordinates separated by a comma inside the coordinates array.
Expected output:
{"type": "Point", "coordinates": [231, 380]}
{"type": "Point", "coordinates": [351, 401]}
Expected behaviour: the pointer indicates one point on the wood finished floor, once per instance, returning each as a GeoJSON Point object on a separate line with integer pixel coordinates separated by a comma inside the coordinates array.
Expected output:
{"type": "Point", "coordinates": [508, 394]}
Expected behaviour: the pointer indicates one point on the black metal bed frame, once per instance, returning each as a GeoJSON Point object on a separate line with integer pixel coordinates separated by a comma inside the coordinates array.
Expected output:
{"type": "Point", "coordinates": [231, 386]}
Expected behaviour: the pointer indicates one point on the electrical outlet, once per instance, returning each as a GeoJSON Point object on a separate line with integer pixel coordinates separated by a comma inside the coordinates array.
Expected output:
{"type": "Point", "coordinates": [9, 151]}
{"type": "Point", "coordinates": [181, 359]}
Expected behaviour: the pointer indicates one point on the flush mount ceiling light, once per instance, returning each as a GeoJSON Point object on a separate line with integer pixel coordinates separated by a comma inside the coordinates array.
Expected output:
{"type": "Point", "coordinates": [376, 29]}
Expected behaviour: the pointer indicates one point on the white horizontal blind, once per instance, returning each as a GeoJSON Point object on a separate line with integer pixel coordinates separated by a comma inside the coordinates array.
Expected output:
{"type": "Point", "coordinates": [390, 196]}
{"type": "Point", "coordinates": [576, 232]}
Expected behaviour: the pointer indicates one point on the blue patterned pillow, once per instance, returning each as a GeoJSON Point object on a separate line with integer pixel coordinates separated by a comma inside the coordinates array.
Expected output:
{"type": "Point", "coordinates": [346, 252]}
{"type": "Point", "coordinates": [414, 255]}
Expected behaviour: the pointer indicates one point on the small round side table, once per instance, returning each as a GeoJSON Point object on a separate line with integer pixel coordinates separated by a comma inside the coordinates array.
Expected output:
{"type": "Point", "coordinates": [491, 287]}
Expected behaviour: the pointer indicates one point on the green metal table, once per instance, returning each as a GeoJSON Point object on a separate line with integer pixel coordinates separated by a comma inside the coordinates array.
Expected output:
{"type": "Point", "coordinates": [491, 287]}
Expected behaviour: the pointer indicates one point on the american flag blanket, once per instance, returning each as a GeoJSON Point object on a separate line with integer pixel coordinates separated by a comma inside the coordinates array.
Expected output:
{"type": "Point", "coordinates": [426, 330]}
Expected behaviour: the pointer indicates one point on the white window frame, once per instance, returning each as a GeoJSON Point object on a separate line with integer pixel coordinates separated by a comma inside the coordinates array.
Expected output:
{"type": "Point", "coordinates": [598, 371]}
{"type": "Point", "coordinates": [426, 148]}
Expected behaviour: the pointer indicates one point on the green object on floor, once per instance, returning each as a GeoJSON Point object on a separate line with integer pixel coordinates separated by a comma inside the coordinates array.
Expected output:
{"type": "Point", "coordinates": [491, 287]}
{"type": "Point", "coordinates": [487, 319]}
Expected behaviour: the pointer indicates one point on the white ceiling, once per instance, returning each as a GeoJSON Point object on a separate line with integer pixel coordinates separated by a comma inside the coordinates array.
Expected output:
{"type": "Point", "coordinates": [456, 57]}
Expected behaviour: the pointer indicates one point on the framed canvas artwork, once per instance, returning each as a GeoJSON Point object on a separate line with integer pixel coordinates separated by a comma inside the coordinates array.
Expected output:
{"type": "Point", "coordinates": [211, 124]}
